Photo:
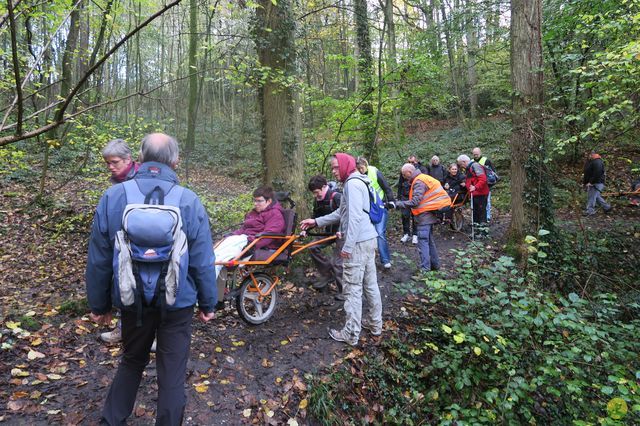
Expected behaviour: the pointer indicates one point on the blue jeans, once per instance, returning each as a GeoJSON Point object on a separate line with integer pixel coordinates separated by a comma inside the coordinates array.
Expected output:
{"type": "Point", "coordinates": [427, 247]}
{"type": "Point", "coordinates": [383, 247]}
{"type": "Point", "coordinates": [594, 196]}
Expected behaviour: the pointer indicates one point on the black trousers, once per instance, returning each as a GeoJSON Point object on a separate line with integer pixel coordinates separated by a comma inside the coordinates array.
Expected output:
{"type": "Point", "coordinates": [174, 340]}
{"type": "Point", "coordinates": [408, 223]}
{"type": "Point", "coordinates": [479, 209]}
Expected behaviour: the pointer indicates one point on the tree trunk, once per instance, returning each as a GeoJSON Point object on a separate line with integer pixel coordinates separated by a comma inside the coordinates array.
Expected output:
{"type": "Point", "coordinates": [452, 62]}
{"type": "Point", "coordinates": [472, 52]}
{"type": "Point", "coordinates": [193, 77]}
{"type": "Point", "coordinates": [282, 145]}
{"type": "Point", "coordinates": [529, 178]}
{"type": "Point", "coordinates": [365, 77]}
{"type": "Point", "coordinates": [391, 65]}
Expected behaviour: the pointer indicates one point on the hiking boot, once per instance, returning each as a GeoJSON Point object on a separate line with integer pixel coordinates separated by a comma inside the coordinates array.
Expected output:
{"type": "Point", "coordinates": [113, 336]}
{"type": "Point", "coordinates": [404, 238]}
{"type": "Point", "coordinates": [414, 240]}
{"type": "Point", "coordinates": [370, 328]}
{"type": "Point", "coordinates": [321, 283]}
{"type": "Point", "coordinates": [608, 210]}
{"type": "Point", "coordinates": [339, 336]}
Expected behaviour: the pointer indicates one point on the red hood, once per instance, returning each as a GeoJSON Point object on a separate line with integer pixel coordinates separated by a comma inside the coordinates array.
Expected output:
{"type": "Point", "coordinates": [346, 165]}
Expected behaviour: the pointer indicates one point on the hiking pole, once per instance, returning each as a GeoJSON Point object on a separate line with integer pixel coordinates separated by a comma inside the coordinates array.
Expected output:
{"type": "Point", "coordinates": [472, 219]}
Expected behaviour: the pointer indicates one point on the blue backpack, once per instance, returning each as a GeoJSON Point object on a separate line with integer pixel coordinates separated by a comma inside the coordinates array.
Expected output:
{"type": "Point", "coordinates": [376, 205]}
{"type": "Point", "coordinates": [151, 254]}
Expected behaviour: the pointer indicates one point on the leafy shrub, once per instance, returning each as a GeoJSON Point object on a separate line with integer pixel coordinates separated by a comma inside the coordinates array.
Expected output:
{"type": "Point", "coordinates": [489, 347]}
{"type": "Point", "coordinates": [227, 215]}
{"type": "Point", "coordinates": [74, 308]}
{"type": "Point", "coordinates": [592, 261]}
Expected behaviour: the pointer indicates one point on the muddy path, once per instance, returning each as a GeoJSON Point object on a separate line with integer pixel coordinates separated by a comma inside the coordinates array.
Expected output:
{"type": "Point", "coordinates": [54, 369]}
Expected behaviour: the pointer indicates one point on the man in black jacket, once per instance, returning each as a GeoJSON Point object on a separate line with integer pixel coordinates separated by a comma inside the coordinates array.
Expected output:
{"type": "Point", "coordinates": [326, 200]}
{"type": "Point", "coordinates": [593, 181]}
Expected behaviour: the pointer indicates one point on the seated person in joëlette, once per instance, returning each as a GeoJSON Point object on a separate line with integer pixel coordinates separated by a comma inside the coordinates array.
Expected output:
{"type": "Point", "coordinates": [454, 183]}
{"type": "Point", "coordinates": [265, 218]}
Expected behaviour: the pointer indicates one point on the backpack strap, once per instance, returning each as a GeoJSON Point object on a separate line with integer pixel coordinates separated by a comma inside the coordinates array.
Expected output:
{"type": "Point", "coordinates": [159, 295]}
{"type": "Point", "coordinates": [371, 199]}
{"type": "Point", "coordinates": [159, 199]}
{"type": "Point", "coordinates": [156, 196]}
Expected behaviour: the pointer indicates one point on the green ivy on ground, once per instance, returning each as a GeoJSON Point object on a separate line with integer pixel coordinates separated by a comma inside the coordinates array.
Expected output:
{"type": "Point", "coordinates": [489, 346]}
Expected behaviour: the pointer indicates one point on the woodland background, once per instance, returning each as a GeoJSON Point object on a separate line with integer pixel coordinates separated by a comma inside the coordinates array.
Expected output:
{"type": "Point", "coordinates": [266, 90]}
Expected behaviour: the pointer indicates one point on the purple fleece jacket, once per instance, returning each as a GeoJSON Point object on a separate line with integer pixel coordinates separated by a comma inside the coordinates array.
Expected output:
{"type": "Point", "coordinates": [268, 221]}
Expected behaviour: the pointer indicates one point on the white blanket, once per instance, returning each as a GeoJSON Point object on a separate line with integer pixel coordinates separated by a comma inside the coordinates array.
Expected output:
{"type": "Point", "coordinates": [229, 248]}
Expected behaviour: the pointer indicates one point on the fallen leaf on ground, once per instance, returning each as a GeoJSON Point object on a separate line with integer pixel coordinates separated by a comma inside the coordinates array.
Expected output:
{"type": "Point", "coordinates": [35, 355]}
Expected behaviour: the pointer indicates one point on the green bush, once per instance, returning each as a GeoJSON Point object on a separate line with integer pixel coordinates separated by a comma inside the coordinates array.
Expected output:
{"type": "Point", "coordinates": [74, 308]}
{"type": "Point", "coordinates": [489, 347]}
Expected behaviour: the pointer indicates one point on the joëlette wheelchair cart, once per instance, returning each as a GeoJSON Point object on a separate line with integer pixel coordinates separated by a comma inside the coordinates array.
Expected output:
{"type": "Point", "coordinates": [253, 274]}
{"type": "Point", "coordinates": [455, 215]}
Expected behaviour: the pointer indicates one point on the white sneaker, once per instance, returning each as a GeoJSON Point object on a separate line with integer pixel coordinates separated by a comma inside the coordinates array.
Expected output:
{"type": "Point", "coordinates": [113, 336]}
{"type": "Point", "coordinates": [387, 265]}
{"type": "Point", "coordinates": [404, 238]}
{"type": "Point", "coordinates": [414, 239]}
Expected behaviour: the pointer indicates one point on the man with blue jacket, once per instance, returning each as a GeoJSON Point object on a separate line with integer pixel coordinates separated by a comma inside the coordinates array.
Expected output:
{"type": "Point", "coordinates": [148, 317]}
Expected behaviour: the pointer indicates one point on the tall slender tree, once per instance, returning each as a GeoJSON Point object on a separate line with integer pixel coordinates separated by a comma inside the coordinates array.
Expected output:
{"type": "Point", "coordinates": [193, 76]}
{"type": "Point", "coordinates": [365, 76]}
{"type": "Point", "coordinates": [280, 107]}
{"type": "Point", "coordinates": [530, 198]}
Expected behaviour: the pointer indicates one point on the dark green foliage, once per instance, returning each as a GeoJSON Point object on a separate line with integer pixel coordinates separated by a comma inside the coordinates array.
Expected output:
{"type": "Point", "coordinates": [593, 261]}
{"type": "Point", "coordinates": [491, 347]}
{"type": "Point", "coordinates": [29, 323]}
{"type": "Point", "coordinates": [74, 308]}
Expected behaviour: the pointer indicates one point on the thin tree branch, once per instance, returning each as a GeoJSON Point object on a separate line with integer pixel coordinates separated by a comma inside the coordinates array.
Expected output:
{"type": "Point", "coordinates": [3, 19]}
{"type": "Point", "coordinates": [16, 65]}
{"type": "Point", "coordinates": [28, 75]}
{"type": "Point", "coordinates": [60, 114]}
{"type": "Point", "coordinates": [60, 118]}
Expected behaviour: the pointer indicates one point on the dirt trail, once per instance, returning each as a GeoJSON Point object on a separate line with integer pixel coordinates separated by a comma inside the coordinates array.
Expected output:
{"type": "Point", "coordinates": [238, 373]}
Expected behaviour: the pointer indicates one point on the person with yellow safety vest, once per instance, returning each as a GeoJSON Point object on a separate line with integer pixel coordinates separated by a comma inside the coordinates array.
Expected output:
{"type": "Point", "coordinates": [426, 196]}
{"type": "Point", "coordinates": [384, 191]}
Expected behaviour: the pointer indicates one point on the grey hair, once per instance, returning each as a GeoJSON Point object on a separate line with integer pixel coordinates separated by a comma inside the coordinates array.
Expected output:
{"type": "Point", "coordinates": [160, 148]}
{"type": "Point", "coordinates": [464, 158]}
{"type": "Point", "coordinates": [361, 161]}
{"type": "Point", "coordinates": [408, 167]}
{"type": "Point", "coordinates": [435, 157]}
{"type": "Point", "coordinates": [116, 148]}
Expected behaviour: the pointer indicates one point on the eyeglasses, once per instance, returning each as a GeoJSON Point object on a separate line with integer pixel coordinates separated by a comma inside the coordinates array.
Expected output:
{"type": "Point", "coordinates": [113, 162]}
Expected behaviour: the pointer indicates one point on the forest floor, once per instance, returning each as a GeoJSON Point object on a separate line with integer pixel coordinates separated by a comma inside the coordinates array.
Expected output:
{"type": "Point", "coordinates": [58, 371]}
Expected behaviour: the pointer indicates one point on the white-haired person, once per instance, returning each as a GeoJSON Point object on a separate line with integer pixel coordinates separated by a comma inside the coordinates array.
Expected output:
{"type": "Point", "coordinates": [117, 155]}
{"type": "Point", "coordinates": [436, 170]}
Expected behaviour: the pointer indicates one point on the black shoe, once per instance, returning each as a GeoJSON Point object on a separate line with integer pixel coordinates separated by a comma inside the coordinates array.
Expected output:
{"type": "Point", "coordinates": [608, 210]}
{"type": "Point", "coordinates": [321, 283]}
